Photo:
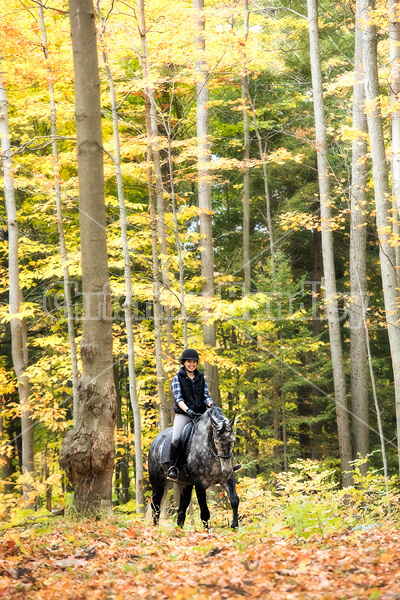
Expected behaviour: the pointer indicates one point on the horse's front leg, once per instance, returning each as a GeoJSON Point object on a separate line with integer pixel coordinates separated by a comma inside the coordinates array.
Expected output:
{"type": "Point", "coordinates": [230, 487]}
{"type": "Point", "coordinates": [186, 494]}
{"type": "Point", "coordinates": [202, 498]}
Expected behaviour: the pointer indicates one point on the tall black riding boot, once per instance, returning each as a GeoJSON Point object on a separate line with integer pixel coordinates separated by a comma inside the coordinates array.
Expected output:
{"type": "Point", "coordinates": [173, 472]}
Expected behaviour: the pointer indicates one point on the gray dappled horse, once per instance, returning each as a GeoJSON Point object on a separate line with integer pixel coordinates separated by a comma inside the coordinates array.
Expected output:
{"type": "Point", "coordinates": [207, 460]}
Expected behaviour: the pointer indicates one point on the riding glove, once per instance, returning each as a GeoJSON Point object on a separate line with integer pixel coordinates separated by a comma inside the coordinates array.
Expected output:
{"type": "Point", "coordinates": [190, 413]}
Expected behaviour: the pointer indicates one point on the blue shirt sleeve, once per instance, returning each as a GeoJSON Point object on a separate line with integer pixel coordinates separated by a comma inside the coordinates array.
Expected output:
{"type": "Point", "coordinates": [207, 396]}
{"type": "Point", "coordinates": [176, 389]}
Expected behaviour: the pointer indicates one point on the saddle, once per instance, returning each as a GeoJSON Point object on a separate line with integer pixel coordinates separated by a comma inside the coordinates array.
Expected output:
{"type": "Point", "coordinates": [183, 446]}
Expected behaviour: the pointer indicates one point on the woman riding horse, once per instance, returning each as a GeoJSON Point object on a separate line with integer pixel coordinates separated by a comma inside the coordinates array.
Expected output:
{"type": "Point", "coordinates": [207, 460]}
{"type": "Point", "coordinates": [192, 398]}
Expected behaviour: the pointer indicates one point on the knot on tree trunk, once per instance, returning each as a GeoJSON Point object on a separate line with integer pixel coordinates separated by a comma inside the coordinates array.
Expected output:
{"type": "Point", "coordinates": [89, 146]}
{"type": "Point", "coordinates": [85, 454]}
{"type": "Point", "coordinates": [75, 456]}
{"type": "Point", "coordinates": [88, 352]}
{"type": "Point", "coordinates": [96, 400]}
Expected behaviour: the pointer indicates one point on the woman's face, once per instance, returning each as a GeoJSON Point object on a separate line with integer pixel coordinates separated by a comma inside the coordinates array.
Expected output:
{"type": "Point", "coordinates": [190, 365]}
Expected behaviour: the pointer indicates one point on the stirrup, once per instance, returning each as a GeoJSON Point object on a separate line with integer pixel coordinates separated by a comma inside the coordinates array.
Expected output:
{"type": "Point", "coordinates": [173, 474]}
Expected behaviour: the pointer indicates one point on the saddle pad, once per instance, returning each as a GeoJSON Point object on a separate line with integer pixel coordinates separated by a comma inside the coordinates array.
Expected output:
{"type": "Point", "coordinates": [183, 443]}
{"type": "Point", "coordinates": [165, 448]}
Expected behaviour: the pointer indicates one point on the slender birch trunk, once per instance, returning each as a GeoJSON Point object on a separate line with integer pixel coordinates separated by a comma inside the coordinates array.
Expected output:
{"type": "Point", "coordinates": [204, 192]}
{"type": "Point", "coordinates": [122, 483]}
{"type": "Point", "coordinates": [387, 256]}
{"type": "Point", "coordinates": [377, 410]}
{"type": "Point", "coordinates": [60, 225]}
{"type": "Point", "coordinates": [158, 226]}
{"type": "Point", "coordinates": [178, 245]}
{"type": "Point", "coordinates": [327, 250]}
{"type": "Point", "coordinates": [394, 87]}
{"type": "Point", "coordinates": [6, 469]}
{"type": "Point", "coordinates": [263, 157]}
{"type": "Point", "coordinates": [88, 450]}
{"type": "Point", "coordinates": [316, 426]}
{"type": "Point", "coordinates": [139, 482]}
{"type": "Point", "coordinates": [246, 158]}
{"type": "Point", "coordinates": [149, 91]}
{"type": "Point", "coordinates": [19, 348]}
{"type": "Point", "coordinates": [156, 278]}
{"type": "Point", "coordinates": [358, 278]}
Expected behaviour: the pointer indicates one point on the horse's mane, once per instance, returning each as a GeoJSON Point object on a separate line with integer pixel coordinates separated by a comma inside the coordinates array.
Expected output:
{"type": "Point", "coordinates": [217, 414]}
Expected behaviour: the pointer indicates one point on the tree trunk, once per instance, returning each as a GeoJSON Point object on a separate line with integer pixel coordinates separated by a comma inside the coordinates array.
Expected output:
{"type": "Point", "coordinates": [60, 225]}
{"type": "Point", "coordinates": [6, 461]}
{"type": "Point", "coordinates": [316, 426]}
{"type": "Point", "coordinates": [390, 282]}
{"type": "Point", "coordinates": [204, 193]}
{"type": "Point", "coordinates": [127, 276]}
{"type": "Point", "coordinates": [122, 466]}
{"type": "Point", "coordinates": [327, 250]}
{"type": "Point", "coordinates": [179, 246]}
{"type": "Point", "coordinates": [163, 412]}
{"type": "Point", "coordinates": [246, 158]}
{"type": "Point", "coordinates": [178, 243]}
{"type": "Point", "coordinates": [149, 92]}
{"type": "Point", "coordinates": [19, 349]}
{"type": "Point", "coordinates": [394, 83]}
{"type": "Point", "coordinates": [88, 450]}
{"type": "Point", "coordinates": [263, 157]}
{"type": "Point", "coordinates": [358, 279]}
{"type": "Point", "coordinates": [153, 155]}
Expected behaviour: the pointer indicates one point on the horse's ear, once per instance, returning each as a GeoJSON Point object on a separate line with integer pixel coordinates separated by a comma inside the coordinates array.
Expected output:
{"type": "Point", "coordinates": [232, 421]}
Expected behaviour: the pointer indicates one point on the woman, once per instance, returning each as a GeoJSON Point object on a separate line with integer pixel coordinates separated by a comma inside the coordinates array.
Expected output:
{"type": "Point", "coordinates": [192, 398]}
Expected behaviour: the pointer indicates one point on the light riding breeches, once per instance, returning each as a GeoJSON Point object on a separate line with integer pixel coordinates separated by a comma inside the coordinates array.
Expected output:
{"type": "Point", "coordinates": [179, 423]}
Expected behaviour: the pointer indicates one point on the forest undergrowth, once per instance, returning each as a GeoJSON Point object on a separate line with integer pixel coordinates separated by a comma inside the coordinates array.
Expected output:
{"type": "Point", "coordinates": [300, 536]}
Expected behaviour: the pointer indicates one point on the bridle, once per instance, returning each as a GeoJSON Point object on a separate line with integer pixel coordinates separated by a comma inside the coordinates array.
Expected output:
{"type": "Point", "coordinates": [225, 456]}
{"type": "Point", "coordinates": [222, 455]}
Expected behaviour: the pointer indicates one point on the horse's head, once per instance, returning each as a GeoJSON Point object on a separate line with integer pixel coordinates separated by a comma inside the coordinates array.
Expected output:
{"type": "Point", "coordinates": [223, 434]}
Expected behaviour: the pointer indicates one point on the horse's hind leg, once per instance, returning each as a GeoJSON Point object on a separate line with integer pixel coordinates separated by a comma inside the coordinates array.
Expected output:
{"type": "Point", "coordinates": [156, 501]}
{"type": "Point", "coordinates": [202, 498]}
{"type": "Point", "coordinates": [230, 487]}
{"type": "Point", "coordinates": [186, 494]}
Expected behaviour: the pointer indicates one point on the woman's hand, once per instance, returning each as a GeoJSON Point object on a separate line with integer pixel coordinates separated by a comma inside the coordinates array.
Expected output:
{"type": "Point", "coordinates": [190, 413]}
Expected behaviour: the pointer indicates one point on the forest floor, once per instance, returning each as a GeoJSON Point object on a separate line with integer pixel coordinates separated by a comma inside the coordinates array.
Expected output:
{"type": "Point", "coordinates": [122, 559]}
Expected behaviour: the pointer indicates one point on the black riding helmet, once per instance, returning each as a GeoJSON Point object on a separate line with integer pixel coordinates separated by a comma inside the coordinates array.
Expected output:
{"type": "Point", "coordinates": [189, 354]}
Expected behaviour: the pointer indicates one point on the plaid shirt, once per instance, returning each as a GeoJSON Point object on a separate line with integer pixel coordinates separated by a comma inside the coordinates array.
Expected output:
{"type": "Point", "coordinates": [177, 392]}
